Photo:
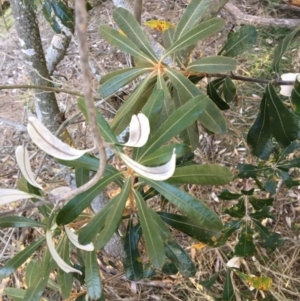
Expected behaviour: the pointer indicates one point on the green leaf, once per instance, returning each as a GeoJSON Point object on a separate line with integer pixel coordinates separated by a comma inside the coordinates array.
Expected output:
{"type": "Point", "coordinates": [237, 210]}
{"type": "Point", "coordinates": [245, 246]}
{"type": "Point", "coordinates": [17, 294]}
{"type": "Point", "coordinates": [19, 222]}
{"type": "Point", "coordinates": [281, 48]}
{"type": "Point", "coordinates": [207, 174]}
{"type": "Point", "coordinates": [133, 104]}
{"type": "Point", "coordinates": [113, 81]}
{"type": "Point", "coordinates": [129, 25]}
{"type": "Point", "coordinates": [15, 262]}
{"type": "Point", "coordinates": [295, 96]}
{"type": "Point", "coordinates": [199, 32]}
{"type": "Point", "coordinates": [262, 213]}
{"type": "Point", "coordinates": [178, 121]}
{"type": "Point", "coordinates": [259, 136]}
{"type": "Point", "coordinates": [229, 90]}
{"type": "Point", "coordinates": [132, 260]}
{"type": "Point", "coordinates": [114, 216]}
{"type": "Point", "coordinates": [32, 272]}
{"type": "Point", "coordinates": [74, 207]}
{"type": "Point", "coordinates": [227, 231]}
{"type": "Point", "coordinates": [63, 13]}
{"type": "Point", "coordinates": [191, 206]}
{"type": "Point", "coordinates": [251, 171]}
{"type": "Point", "coordinates": [240, 41]}
{"type": "Point", "coordinates": [49, 16]}
{"type": "Point", "coordinates": [213, 64]}
{"type": "Point", "coordinates": [259, 204]}
{"type": "Point", "coordinates": [269, 240]}
{"type": "Point", "coordinates": [209, 283]}
{"type": "Point", "coordinates": [228, 196]}
{"type": "Point", "coordinates": [153, 240]}
{"type": "Point", "coordinates": [283, 123]}
{"type": "Point", "coordinates": [228, 293]}
{"type": "Point", "coordinates": [82, 176]}
{"type": "Point", "coordinates": [215, 97]}
{"type": "Point", "coordinates": [65, 279]}
{"type": "Point", "coordinates": [116, 39]}
{"type": "Point", "coordinates": [211, 118]}
{"type": "Point", "coordinates": [191, 16]}
{"type": "Point", "coordinates": [168, 36]}
{"type": "Point", "coordinates": [92, 276]}
{"type": "Point", "coordinates": [190, 227]}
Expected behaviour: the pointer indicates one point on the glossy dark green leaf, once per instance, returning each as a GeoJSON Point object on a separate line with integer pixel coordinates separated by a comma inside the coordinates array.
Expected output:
{"type": "Point", "coordinates": [290, 164]}
{"type": "Point", "coordinates": [227, 231]}
{"type": "Point", "coordinates": [207, 174]}
{"type": "Point", "coordinates": [114, 216]}
{"type": "Point", "coordinates": [211, 118]}
{"type": "Point", "coordinates": [229, 90]}
{"type": "Point", "coordinates": [178, 121]}
{"type": "Point", "coordinates": [163, 154]}
{"type": "Point", "coordinates": [153, 240]}
{"type": "Point", "coordinates": [295, 96]}
{"type": "Point", "coordinates": [262, 213]}
{"type": "Point", "coordinates": [270, 185]}
{"type": "Point", "coordinates": [287, 178]}
{"type": "Point", "coordinates": [131, 28]}
{"type": "Point", "coordinates": [169, 268]}
{"type": "Point", "coordinates": [19, 222]}
{"type": "Point", "coordinates": [288, 150]}
{"type": "Point", "coordinates": [92, 275]}
{"type": "Point", "coordinates": [195, 34]}
{"type": "Point", "coordinates": [74, 207]}
{"type": "Point", "coordinates": [240, 41]}
{"type": "Point", "coordinates": [132, 260]}
{"type": "Point", "coordinates": [237, 210]}
{"type": "Point", "coordinates": [63, 12]}
{"type": "Point", "coordinates": [49, 16]}
{"type": "Point", "coordinates": [65, 279]}
{"type": "Point", "coordinates": [215, 97]}
{"type": "Point", "coordinates": [258, 204]}
{"type": "Point", "coordinates": [118, 79]}
{"type": "Point", "coordinates": [259, 136]}
{"type": "Point", "coordinates": [213, 64]}
{"type": "Point", "coordinates": [82, 176]}
{"type": "Point", "coordinates": [228, 292]}
{"type": "Point", "coordinates": [248, 192]}
{"type": "Point", "coordinates": [245, 246]}
{"type": "Point", "coordinates": [251, 171]}
{"type": "Point", "coordinates": [17, 294]}
{"type": "Point", "coordinates": [32, 272]}
{"type": "Point", "coordinates": [15, 262]}
{"type": "Point", "coordinates": [269, 240]}
{"type": "Point", "coordinates": [283, 123]}
{"type": "Point", "coordinates": [133, 104]}
{"type": "Point", "coordinates": [209, 283]}
{"type": "Point", "coordinates": [228, 196]}
{"type": "Point", "coordinates": [281, 48]}
{"type": "Point", "coordinates": [192, 207]}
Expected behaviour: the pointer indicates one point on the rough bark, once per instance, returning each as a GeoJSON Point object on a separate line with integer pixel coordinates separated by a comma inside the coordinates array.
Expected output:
{"type": "Point", "coordinates": [30, 42]}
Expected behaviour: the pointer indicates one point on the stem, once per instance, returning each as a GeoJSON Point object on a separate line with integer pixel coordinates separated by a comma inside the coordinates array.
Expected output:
{"type": "Point", "coordinates": [137, 10]}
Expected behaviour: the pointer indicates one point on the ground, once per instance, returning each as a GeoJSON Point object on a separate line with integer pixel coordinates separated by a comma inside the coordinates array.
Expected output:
{"type": "Point", "coordinates": [16, 105]}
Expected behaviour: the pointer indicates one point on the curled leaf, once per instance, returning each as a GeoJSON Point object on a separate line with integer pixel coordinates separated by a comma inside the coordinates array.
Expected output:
{"type": "Point", "coordinates": [74, 240]}
{"type": "Point", "coordinates": [60, 262]}
{"type": "Point", "coordinates": [50, 144]}
{"type": "Point", "coordinates": [286, 90]}
{"type": "Point", "coordinates": [234, 262]}
{"type": "Point", "coordinates": [139, 130]}
{"type": "Point", "coordinates": [11, 195]}
{"type": "Point", "coordinates": [158, 173]}
{"type": "Point", "coordinates": [60, 190]}
{"type": "Point", "coordinates": [22, 157]}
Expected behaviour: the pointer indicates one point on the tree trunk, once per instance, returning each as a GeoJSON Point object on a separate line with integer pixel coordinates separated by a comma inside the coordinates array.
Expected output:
{"type": "Point", "coordinates": [30, 41]}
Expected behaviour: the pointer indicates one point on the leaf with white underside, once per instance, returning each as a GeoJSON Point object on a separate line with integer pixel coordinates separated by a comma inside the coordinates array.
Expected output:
{"type": "Point", "coordinates": [60, 262]}
{"type": "Point", "coordinates": [22, 158]}
{"type": "Point", "coordinates": [139, 130]}
{"type": "Point", "coordinates": [158, 173]}
{"type": "Point", "coordinates": [11, 195]}
{"type": "Point", "coordinates": [286, 90]}
{"type": "Point", "coordinates": [50, 144]}
{"type": "Point", "coordinates": [234, 262]}
{"type": "Point", "coordinates": [74, 240]}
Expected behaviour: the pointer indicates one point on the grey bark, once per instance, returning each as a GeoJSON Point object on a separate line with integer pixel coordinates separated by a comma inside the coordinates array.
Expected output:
{"type": "Point", "coordinates": [33, 54]}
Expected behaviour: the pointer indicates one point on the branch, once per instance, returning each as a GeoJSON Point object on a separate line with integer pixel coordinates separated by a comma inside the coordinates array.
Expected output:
{"type": "Point", "coordinates": [240, 17]}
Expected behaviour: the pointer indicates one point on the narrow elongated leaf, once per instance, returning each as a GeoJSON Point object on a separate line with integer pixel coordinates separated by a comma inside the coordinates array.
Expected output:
{"type": "Point", "coordinates": [82, 176]}
{"type": "Point", "coordinates": [19, 222]}
{"type": "Point", "coordinates": [211, 118]}
{"type": "Point", "coordinates": [178, 121]}
{"type": "Point", "coordinates": [11, 195]}
{"type": "Point", "coordinates": [295, 97]}
{"type": "Point", "coordinates": [17, 294]}
{"type": "Point", "coordinates": [133, 104]}
{"type": "Point", "coordinates": [242, 40]}
{"type": "Point", "coordinates": [92, 276]}
{"type": "Point", "coordinates": [215, 97]}
{"type": "Point", "coordinates": [15, 262]}
{"type": "Point", "coordinates": [209, 283]}
{"type": "Point", "coordinates": [116, 39]}
{"type": "Point", "coordinates": [114, 216]}
{"type": "Point", "coordinates": [259, 136]}
{"type": "Point", "coordinates": [199, 32]}
{"type": "Point", "coordinates": [208, 174]}
{"type": "Point", "coordinates": [50, 17]}
{"type": "Point", "coordinates": [73, 237]}
{"type": "Point", "coordinates": [191, 206]}
{"type": "Point", "coordinates": [213, 64]}
{"type": "Point", "coordinates": [245, 246]}
{"type": "Point", "coordinates": [74, 207]}
{"type": "Point", "coordinates": [229, 90]}
{"type": "Point", "coordinates": [132, 260]}
{"type": "Point", "coordinates": [153, 240]}
{"type": "Point", "coordinates": [168, 36]}
{"type": "Point", "coordinates": [50, 144]}
{"type": "Point", "coordinates": [228, 293]}
{"type": "Point", "coordinates": [191, 16]}
{"type": "Point", "coordinates": [281, 48]}
{"type": "Point", "coordinates": [283, 123]}
{"type": "Point", "coordinates": [63, 13]}
{"type": "Point", "coordinates": [32, 272]}
{"type": "Point", "coordinates": [129, 25]}
{"type": "Point", "coordinates": [118, 79]}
